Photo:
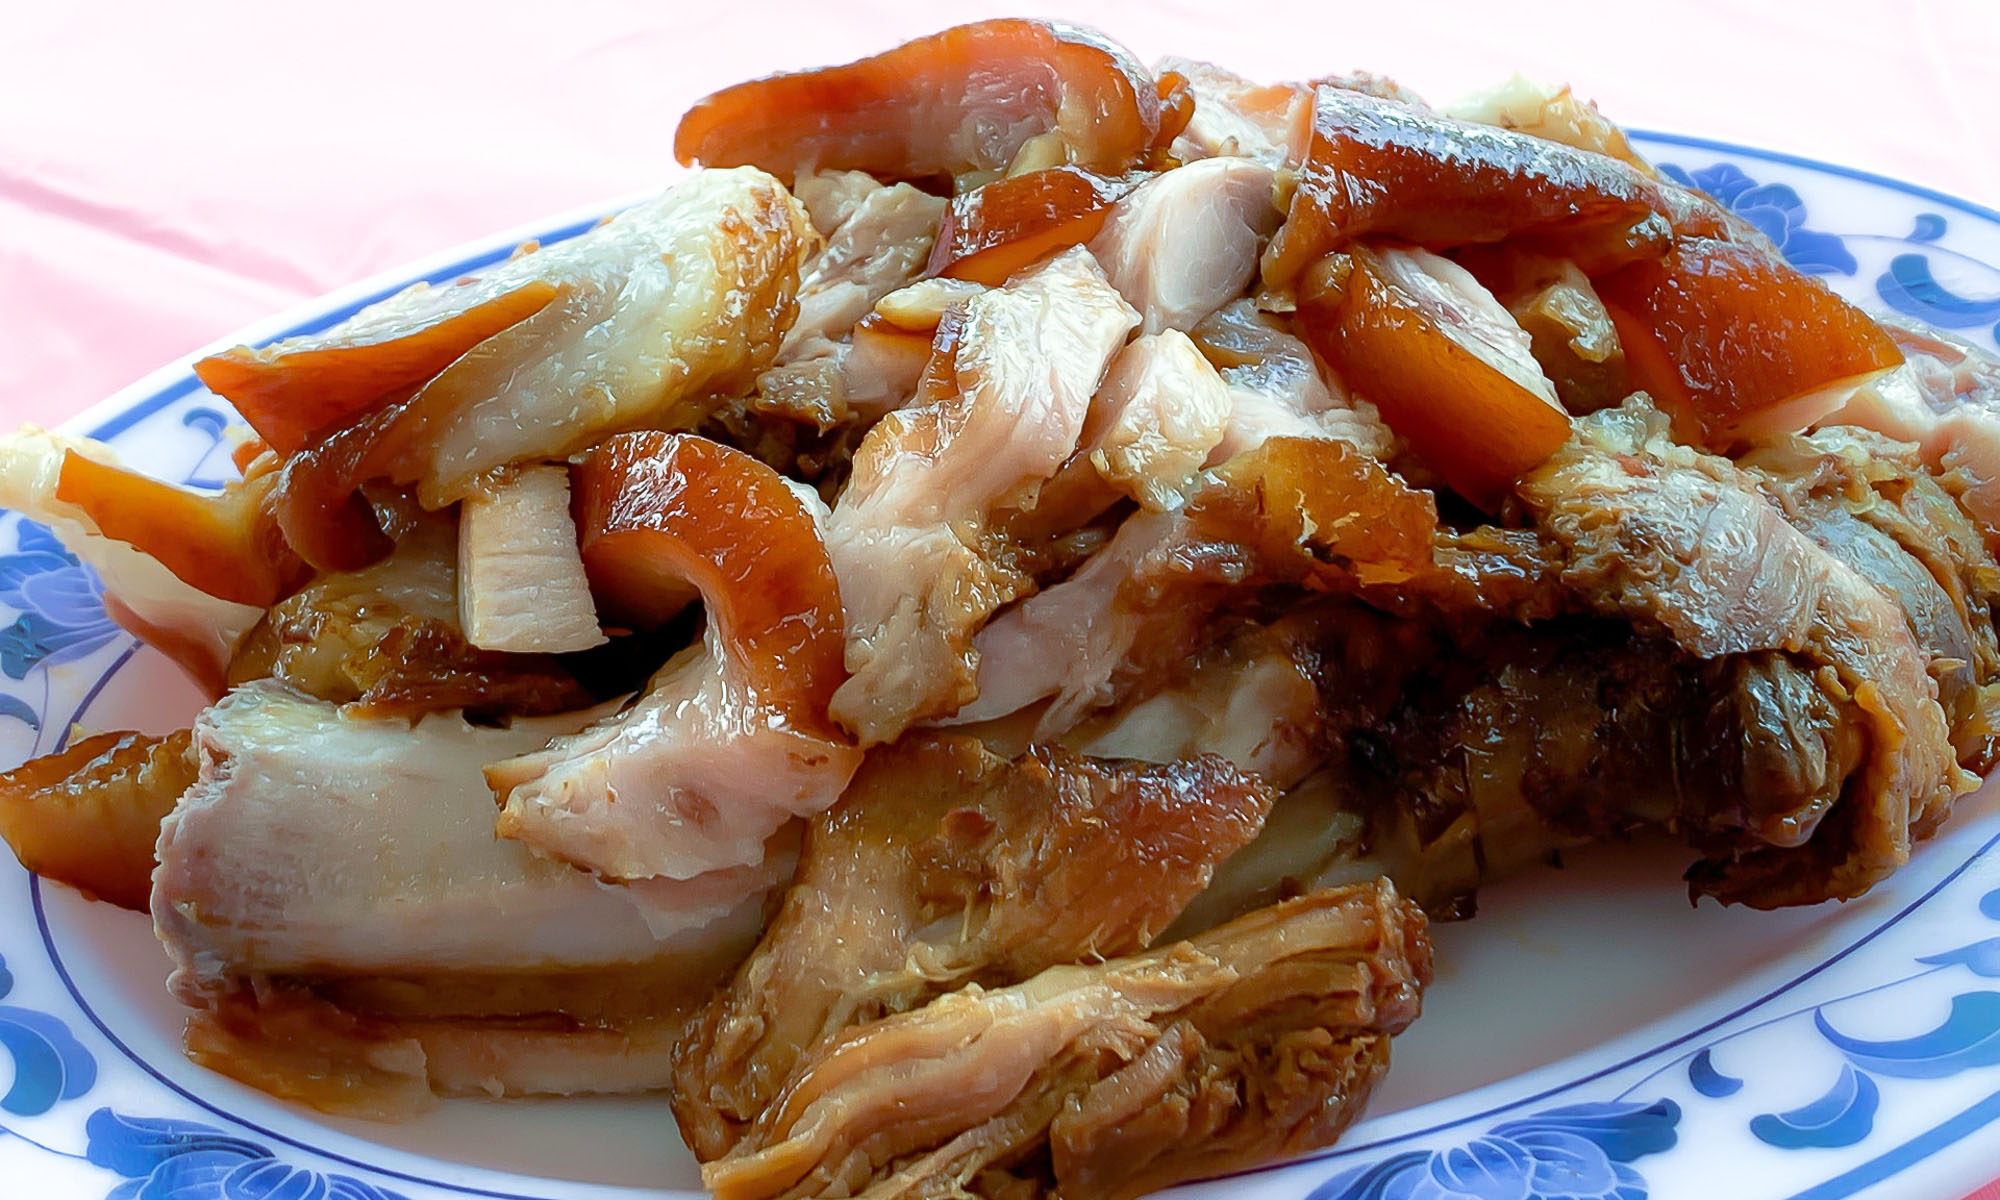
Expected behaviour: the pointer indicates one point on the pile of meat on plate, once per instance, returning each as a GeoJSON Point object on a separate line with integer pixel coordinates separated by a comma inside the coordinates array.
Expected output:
{"type": "Point", "coordinates": [965, 640]}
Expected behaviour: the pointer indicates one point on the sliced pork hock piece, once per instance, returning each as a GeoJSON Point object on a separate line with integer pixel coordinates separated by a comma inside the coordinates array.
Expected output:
{"type": "Point", "coordinates": [1011, 388]}
{"type": "Point", "coordinates": [355, 857]}
{"type": "Point", "coordinates": [1688, 542]}
{"type": "Point", "coordinates": [1446, 364]}
{"type": "Point", "coordinates": [730, 740]}
{"type": "Point", "coordinates": [971, 99]}
{"type": "Point", "coordinates": [1733, 341]}
{"type": "Point", "coordinates": [1258, 1039]}
{"type": "Point", "coordinates": [945, 865]}
{"type": "Point", "coordinates": [1379, 168]}
{"type": "Point", "coordinates": [659, 313]}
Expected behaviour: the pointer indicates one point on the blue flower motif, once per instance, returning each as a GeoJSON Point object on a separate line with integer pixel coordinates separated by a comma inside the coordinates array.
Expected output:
{"type": "Point", "coordinates": [1775, 210]}
{"type": "Point", "coordinates": [162, 1159]}
{"type": "Point", "coordinates": [49, 1063]}
{"type": "Point", "coordinates": [60, 604]}
{"type": "Point", "coordinates": [1578, 1152]}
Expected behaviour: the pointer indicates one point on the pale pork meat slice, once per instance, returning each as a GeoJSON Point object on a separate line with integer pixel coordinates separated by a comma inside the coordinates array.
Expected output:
{"type": "Point", "coordinates": [1255, 1040]}
{"type": "Point", "coordinates": [656, 315]}
{"type": "Point", "coordinates": [943, 865]}
{"type": "Point", "coordinates": [139, 591]}
{"type": "Point", "coordinates": [878, 239]}
{"type": "Point", "coordinates": [695, 777]}
{"type": "Point", "coordinates": [313, 841]}
{"type": "Point", "coordinates": [1687, 542]}
{"type": "Point", "coordinates": [1159, 415]}
{"type": "Point", "coordinates": [1185, 242]}
{"type": "Point", "coordinates": [521, 585]}
{"type": "Point", "coordinates": [879, 243]}
{"type": "Point", "coordinates": [1282, 513]}
{"type": "Point", "coordinates": [1278, 389]}
{"type": "Point", "coordinates": [1270, 124]}
{"type": "Point", "coordinates": [906, 536]}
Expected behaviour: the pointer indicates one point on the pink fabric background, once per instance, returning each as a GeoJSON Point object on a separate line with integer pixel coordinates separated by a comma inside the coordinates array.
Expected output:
{"type": "Point", "coordinates": [170, 172]}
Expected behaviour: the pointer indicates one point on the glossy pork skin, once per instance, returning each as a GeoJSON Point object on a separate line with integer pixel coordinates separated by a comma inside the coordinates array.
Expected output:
{"type": "Point", "coordinates": [1000, 227]}
{"type": "Point", "coordinates": [89, 814]}
{"type": "Point", "coordinates": [659, 312]}
{"type": "Point", "coordinates": [228, 544]}
{"type": "Point", "coordinates": [1447, 366]}
{"type": "Point", "coordinates": [1732, 340]}
{"type": "Point", "coordinates": [730, 739]}
{"type": "Point", "coordinates": [961, 101]}
{"type": "Point", "coordinates": [1379, 168]}
{"type": "Point", "coordinates": [291, 390]}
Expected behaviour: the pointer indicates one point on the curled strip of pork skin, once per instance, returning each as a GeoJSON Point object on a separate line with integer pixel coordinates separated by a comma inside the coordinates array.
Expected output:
{"type": "Point", "coordinates": [943, 865]}
{"type": "Point", "coordinates": [906, 537]}
{"type": "Point", "coordinates": [970, 100]}
{"type": "Point", "coordinates": [199, 631]}
{"type": "Point", "coordinates": [1257, 1039]}
{"type": "Point", "coordinates": [730, 739]}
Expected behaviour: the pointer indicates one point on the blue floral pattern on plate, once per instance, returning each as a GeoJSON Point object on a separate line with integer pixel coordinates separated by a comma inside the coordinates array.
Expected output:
{"type": "Point", "coordinates": [59, 607]}
{"type": "Point", "coordinates": [1775, 209]}
{"type": "Point", "coordinates": [1577, 1152]}
{"type": "Point", "coordinates": [163, 1159]}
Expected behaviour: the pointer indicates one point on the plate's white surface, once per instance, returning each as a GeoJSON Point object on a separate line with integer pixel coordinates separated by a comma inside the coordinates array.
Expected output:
{"type": "Point", "coordinates": [1589, 1035]}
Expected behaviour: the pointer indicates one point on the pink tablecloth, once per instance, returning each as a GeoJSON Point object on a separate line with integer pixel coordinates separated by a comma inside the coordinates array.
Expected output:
{"type": "Point", "coordinates": [169, 172]}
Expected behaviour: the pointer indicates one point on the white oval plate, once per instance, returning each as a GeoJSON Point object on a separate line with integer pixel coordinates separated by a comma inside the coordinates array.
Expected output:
{"type": "Point", "coordinates": [1589, 1035]}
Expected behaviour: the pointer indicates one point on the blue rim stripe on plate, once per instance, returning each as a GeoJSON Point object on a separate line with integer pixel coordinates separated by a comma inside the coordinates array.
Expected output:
{"type": "Point", "coordinates": [1912, 1151]}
